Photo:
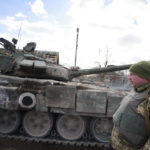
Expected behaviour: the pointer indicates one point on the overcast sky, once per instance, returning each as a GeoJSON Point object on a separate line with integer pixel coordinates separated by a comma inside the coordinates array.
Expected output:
{"type": "Point", "coordinates": [119, 27]}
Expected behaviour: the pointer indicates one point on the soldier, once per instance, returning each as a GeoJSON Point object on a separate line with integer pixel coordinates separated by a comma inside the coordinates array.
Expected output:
{"type": "Point", "coordinates": [132, 120]}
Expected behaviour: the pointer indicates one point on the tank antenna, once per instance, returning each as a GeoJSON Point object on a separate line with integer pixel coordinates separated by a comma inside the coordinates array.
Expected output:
{"type": "Point", "coordinates": [76, 47]}
{"type": "Point", "coordinates": [19, 33]}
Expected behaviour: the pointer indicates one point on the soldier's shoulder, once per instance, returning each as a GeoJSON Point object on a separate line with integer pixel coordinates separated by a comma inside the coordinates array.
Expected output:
{"type": "Point", "coordinates": [147, 145]}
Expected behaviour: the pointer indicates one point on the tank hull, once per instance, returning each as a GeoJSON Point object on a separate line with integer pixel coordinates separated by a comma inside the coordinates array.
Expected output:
{"type": "Point", "coordinates": [70, 110]}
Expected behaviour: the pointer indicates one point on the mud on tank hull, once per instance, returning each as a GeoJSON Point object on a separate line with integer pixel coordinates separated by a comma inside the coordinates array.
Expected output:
{"type": "Point", "coordinates": [51, 109]}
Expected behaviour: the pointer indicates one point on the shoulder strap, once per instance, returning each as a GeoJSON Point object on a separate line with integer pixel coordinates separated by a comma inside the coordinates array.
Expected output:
{"type": "Point", "coordinates": [147, 113]}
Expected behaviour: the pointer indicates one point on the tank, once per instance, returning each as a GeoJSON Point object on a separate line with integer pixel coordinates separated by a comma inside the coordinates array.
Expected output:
{"type": "Point", "coordinates": [40, 102]}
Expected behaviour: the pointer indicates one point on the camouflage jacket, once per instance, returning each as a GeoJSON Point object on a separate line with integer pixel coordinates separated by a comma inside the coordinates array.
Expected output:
{"type": "Point", "coordinates": [121, 144]}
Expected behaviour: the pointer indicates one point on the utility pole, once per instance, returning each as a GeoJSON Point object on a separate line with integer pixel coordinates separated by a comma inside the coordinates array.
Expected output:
{"type": "Point", "coordinates": [76, 47]}
{"type": "Point", "coordinates": [106, 62]}
{"type": "Point", "coordinates": [99, 53]}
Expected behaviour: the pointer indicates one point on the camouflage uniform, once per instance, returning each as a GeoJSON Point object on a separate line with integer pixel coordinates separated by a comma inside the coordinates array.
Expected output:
{"type": "Point", "coordinates": [119, 143]}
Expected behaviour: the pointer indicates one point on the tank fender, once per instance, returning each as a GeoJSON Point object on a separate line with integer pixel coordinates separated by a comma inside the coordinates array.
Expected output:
{"type": "Point", "coordinates": [60, 96]}
{"type": "Point", "coordinates": [91, 101]}
{"type": "Point", "coordinates": [27, 100]}
{"type": "Point", "coordinates": [41, 103]}
{"type": "Point", "coordinates": [9, 98]}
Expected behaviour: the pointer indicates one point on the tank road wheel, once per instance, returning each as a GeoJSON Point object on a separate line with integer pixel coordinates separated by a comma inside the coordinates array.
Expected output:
{"type": "Point", "coordinates": [9, 121]}
{"type": "Point", "coordinates": [37, 124]}
{"type": "Point", "coordinates": [70, 127]}
{"type": "Point", "coordinates": [101, 129]}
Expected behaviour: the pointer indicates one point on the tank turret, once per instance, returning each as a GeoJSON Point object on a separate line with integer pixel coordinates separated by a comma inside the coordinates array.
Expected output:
{"type": "Point", "coordinates": [27, 64]}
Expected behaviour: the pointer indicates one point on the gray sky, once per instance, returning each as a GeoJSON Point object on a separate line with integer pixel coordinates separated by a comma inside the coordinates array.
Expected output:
{"type": "Point", "coordinates": [120, 26]}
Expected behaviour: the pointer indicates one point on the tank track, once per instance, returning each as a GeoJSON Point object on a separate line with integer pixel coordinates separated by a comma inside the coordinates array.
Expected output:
{"type": "Point", "coordinates": [54, 139]}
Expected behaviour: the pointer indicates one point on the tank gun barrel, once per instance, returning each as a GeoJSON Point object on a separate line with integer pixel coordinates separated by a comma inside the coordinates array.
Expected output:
{"type": "Point", "coordinates": [98, 70]}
